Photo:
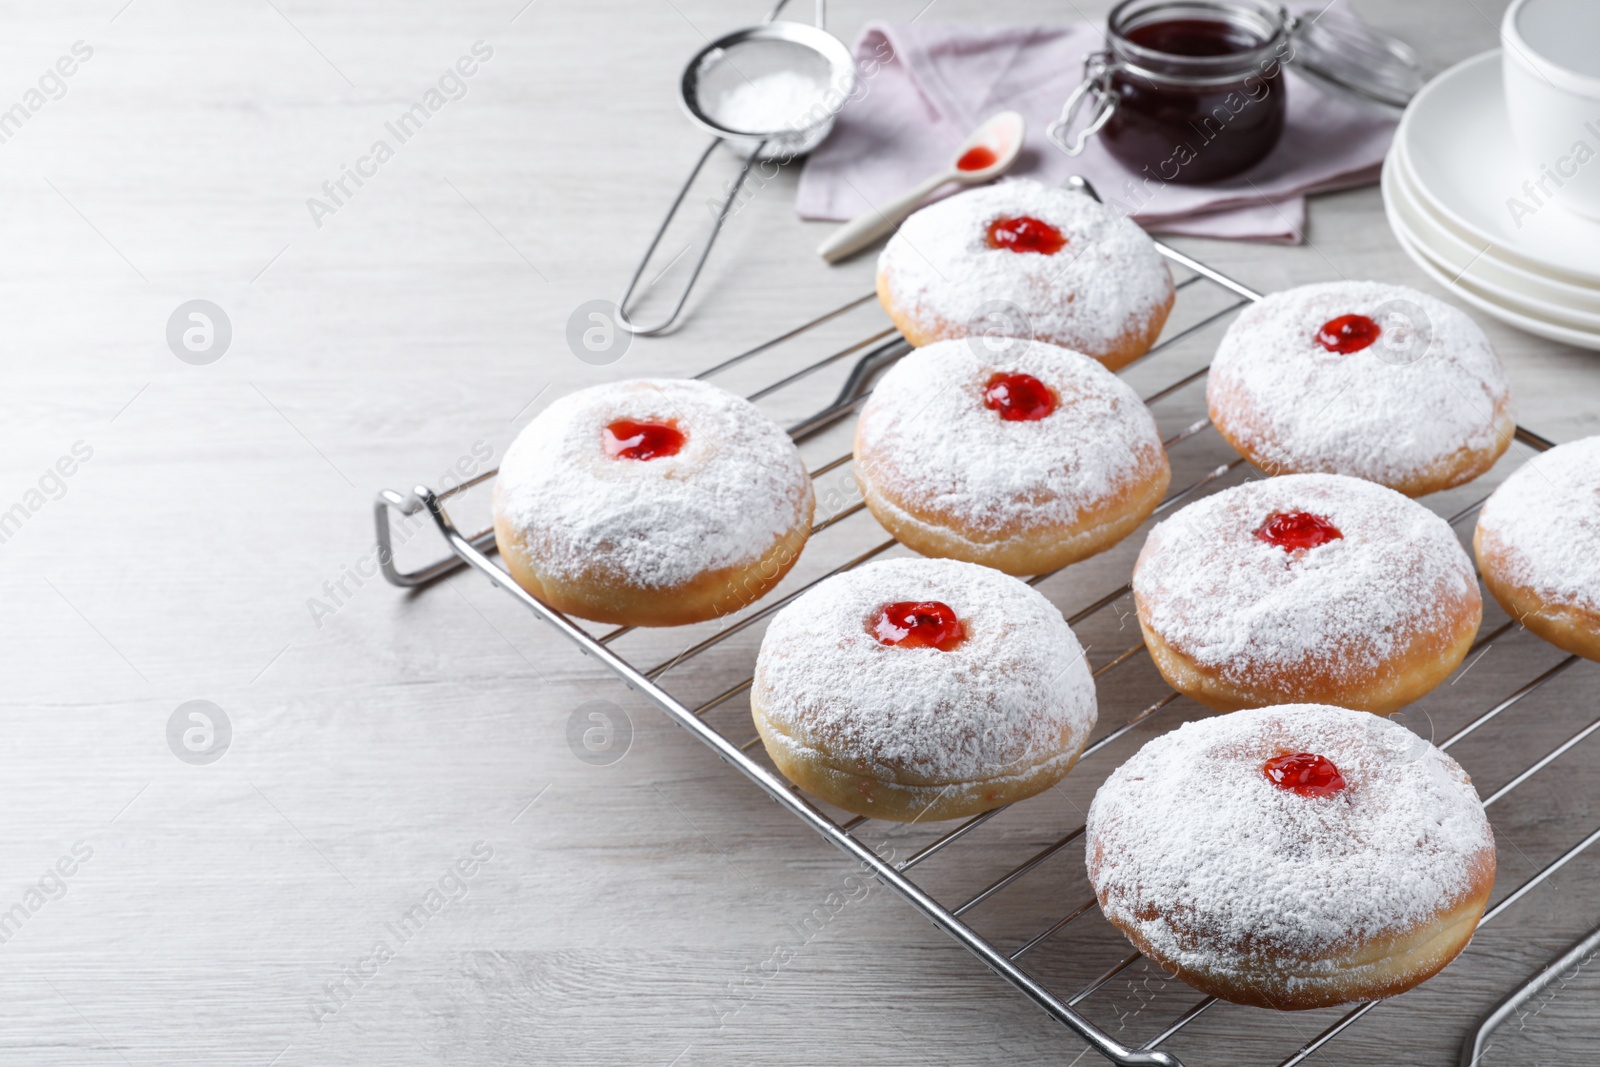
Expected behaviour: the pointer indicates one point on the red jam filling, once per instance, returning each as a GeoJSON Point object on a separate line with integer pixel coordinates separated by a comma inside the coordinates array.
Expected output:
{"type": "Point", "coordinates": [1018, 397]}
{"type": "Point", "coordinates": [1304, 773]}
{"type": "Point", "coordinates": [919, 624]}
{"type": "Point", "coordinates": [1348, 333]}
{"type": "Point", "coordinates": [977, 159]}
{"type": "Point", "coordinates": [1290, 530]}
{"type": "Point", "coordinates": [1026, 234]}
{"type": "Point", "coordinates": [626, 439]}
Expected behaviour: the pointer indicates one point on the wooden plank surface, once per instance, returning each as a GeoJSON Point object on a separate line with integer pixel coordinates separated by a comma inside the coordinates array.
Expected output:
{"type": "Point", "coordinates": [401, 859]}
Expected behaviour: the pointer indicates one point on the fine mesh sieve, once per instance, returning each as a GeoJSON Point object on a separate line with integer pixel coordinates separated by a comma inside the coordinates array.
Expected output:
{"type": "Point", "coordinates": [770, 93]}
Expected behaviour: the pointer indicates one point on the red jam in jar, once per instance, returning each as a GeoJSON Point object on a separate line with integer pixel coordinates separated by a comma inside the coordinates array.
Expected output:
{"type": "Point", "coordinates": [1019, 397]}
{"type": "Point", "coordinates": [1197, 91]}
{"type": "Point", "coordinates": [1348, 333]}
{"type": "Point", "coordinates": [1291, 530]}
{"type": "Point", "coordinates": [626, 439]}
{"type": "Point", "coordinates": [919, 624]}
{"type": "Point", "coordinates": [1025, 234]}
{"type": "Point", "coordinates": [1304, 773]}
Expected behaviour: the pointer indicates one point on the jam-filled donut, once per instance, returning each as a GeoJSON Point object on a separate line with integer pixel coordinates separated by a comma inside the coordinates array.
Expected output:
{"type": "Point", "coordinates": [1376, 381]}
{"type": "Point", "coordinates": [1033, 261]}
{"type": "Point", "coordinates": [1292, 857]}
{"type": "Point", "coordinates": [921, 689]}
{"type": "Point", "coordinates": [1024, 460]}
{"type": "Point", "coordinates": [1538, 543]}
{"type": "Point", "coordinates": [1308, 587]}
{"type": "Point", "coordinates": [651, 503]}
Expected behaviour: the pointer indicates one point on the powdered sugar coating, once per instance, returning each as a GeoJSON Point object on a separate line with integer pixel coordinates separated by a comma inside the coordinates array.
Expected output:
{"type": "Point", "coordinates": [1429, 387]}
{"type": "Point", "coordinates": [1014, 695]}
{"type": "Point", "coordinates": [1249, 610]}
{"type": "Point", "coordinates": [1222, 872]}
{"type": "Point", "coordinates": [731, 492]}
{"type": "Point", "coordinates": [927, 433]}
{"type": "Point", "coordinates": [1544, 524]}
{"type": "Point", "coordinates": [1108, 282]}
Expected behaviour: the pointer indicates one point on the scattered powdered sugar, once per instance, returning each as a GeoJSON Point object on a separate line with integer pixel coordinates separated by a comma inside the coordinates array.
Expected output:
{"type": "Point", "coordinates": [1546, 520]}
{"type": "Point", "coordinates": [927, 432]}
{"type": "Point", "coordinates": [1429, 387]}
{"type": "Point", "coordinates": [736, 486]}
{"type": "Point", "coordinates": [768, 103]}
{"type": "Point", "coordinates": [1107, 282]}
{"type": "Point", "coordinates": [1221, 871]}
{"type": "Point", "coordinates": [1249, 610]}
{"type": "Point", "coordinates": [1015, 694]}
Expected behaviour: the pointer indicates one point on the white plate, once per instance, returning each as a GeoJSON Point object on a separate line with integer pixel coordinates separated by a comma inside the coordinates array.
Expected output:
{"type": "Point", "coordinates": [1454, 271]}
{"type": "Point", "coordinates": [1478, 266]}
{"type": "Point", "coordinates": [1466, 166]}
{"type": "Point", "coordinates": [1515, 312]}
{"type": "Point", "coordinates": [1562, 327]}
{"type": "Point", "coordinates": [1483, 262]}
{"type": "Point", "coordinates": [1537, 327]}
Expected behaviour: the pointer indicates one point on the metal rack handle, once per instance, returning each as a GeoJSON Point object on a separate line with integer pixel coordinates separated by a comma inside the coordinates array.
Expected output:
{"type": "Point", "coordinates": [1477, 1042]}
{"type": "Point", "coordinates": [388, 502]}
{"type": "Point", "coordinates": [383, 508]}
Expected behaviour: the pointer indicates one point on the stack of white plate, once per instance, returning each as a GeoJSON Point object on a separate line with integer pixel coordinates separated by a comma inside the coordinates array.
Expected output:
{"type": "Point", "coordinates": [1454, 189]}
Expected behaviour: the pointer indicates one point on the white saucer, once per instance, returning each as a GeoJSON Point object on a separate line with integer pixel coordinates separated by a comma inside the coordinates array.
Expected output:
{"type": "Point", "coordinates": [1478, 267]}
{"type": "Point", "coordinates": [1537, 327]}
{"type": "Point", "coordinates": [1465, 164]}
{"type": "Point", "coordinates": [1516, 313]}
{"type": "Point", "coordinates": [1481, 261]}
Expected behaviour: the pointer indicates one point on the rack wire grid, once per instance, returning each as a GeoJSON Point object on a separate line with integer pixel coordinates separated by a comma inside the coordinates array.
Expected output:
{"type": "Point", "coordinates": [1052, 980]}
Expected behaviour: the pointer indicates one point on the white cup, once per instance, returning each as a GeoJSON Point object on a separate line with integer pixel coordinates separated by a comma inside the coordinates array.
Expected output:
{"type": "Point", "coordinates": [1550, 63]}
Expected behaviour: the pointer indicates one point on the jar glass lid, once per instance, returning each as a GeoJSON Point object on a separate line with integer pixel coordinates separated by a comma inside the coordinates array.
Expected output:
{"type": "Point", "coordinates": [1336, 49]}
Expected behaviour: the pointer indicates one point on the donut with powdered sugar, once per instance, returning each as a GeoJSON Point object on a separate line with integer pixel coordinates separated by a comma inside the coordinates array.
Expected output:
{"type": "Point", "coordinates": [1306, 587]}
{"type": "Point", "coordinates": [1025, 459]}
{"type": "Point", "coordinates": [1292, 857]}
{"type": "Point", "coordinates": [922, 689]}
{"type": "Point", "coordinates": [1361, 378]}
{"type": "Point", "coordinates": [651, 502]}
{"type": "Point", "coordinates": [1030, 260]}
{"type": "Point", "coordinates": [1538, 542]}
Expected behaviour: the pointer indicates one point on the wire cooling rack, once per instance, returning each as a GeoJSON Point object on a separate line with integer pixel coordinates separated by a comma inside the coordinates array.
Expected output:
{"type": "Point", "coordinates": [1018, 963]}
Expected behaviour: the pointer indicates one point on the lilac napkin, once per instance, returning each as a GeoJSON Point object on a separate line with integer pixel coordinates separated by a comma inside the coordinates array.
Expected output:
{"type": "Point", "coordinates": [926, 87]}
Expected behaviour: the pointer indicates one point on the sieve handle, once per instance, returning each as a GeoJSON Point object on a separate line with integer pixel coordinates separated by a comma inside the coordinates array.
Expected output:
{"type": "Point", "coordinates": [822, 12]}
{"type": "Point", "coordinates": [705, 249]}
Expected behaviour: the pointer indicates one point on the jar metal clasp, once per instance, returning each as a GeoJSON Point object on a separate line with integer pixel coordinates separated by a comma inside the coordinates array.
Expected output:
{"type": "Point", "coordinates": [1095, 89]}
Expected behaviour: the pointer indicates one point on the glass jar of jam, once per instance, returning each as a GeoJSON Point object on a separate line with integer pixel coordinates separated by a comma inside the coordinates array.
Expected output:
{"type": "Point", "coordinates": [1192, 91]}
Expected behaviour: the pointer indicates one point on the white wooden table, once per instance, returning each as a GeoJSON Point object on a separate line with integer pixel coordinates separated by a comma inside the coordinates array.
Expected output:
{"type": "Point", "coordinates": [216, 545]}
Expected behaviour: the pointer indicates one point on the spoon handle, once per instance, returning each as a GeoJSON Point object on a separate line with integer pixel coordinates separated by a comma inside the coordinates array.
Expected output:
{"type": "Point", "coordinates": [873, 223]}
